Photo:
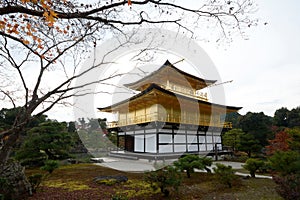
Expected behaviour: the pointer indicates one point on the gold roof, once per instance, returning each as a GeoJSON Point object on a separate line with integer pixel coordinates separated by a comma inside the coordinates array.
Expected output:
{"type": "Point", "coordinates": [169, 72]}
{"type": "Point", "coordinates": [155, 94]}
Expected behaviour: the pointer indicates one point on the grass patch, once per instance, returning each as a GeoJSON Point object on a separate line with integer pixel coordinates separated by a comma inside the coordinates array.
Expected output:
{"type": "Point", "coordinates": [136, 189]}
{"type": "Point", "coordinates": [76, 182]}
{"type": "Point", "coordinates": [69, 185]}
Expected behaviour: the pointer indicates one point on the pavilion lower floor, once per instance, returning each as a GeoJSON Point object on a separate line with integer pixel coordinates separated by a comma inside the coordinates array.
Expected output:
{"type": "Point", "coordinates": [163, 138]}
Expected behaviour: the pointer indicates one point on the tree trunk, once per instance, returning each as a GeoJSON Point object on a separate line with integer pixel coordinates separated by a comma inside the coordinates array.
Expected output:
{"type": "Point", "coordinates": [12, 173]}
{"type": "Point", "coordinates": [8, 145]}
{"type": "Point", "coordinates": [252, 173]}
{"type": "Point", "coordinates": [188, 173]}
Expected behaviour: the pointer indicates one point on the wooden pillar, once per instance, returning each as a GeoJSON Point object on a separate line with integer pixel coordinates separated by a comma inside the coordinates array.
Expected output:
{"type": "Point", "coordinates": [205, 139]}
{"type": "Point", "coordinates": [118, 141]}
{"type": "Point", "coordinates": [144, 139]}
{"type": "Point", "coordinates": [125, 141]}
{"type": "Point", "coordinates": [216, 152]}
{"type": "Point", "coordinates": [186, 139]}
{"type": "Point", "coordinates": [157, 138]}
{"type": "Point", "coordinates": [173, 148]}
{"type": "Point", "coordinates": [197, 135]}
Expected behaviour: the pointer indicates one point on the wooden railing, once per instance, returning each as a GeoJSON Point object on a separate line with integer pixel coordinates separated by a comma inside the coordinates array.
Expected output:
{"type": "Point", "coordinates": [168, 118]}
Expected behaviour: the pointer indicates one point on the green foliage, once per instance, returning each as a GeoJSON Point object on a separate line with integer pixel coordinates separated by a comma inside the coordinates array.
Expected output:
{"type": "Point", "coordinates": [71, 127]}
{"type": "Point", "coordinates": [258, 125]}
{"type": "Point", "coordinates": [287, 118]}
{"type": "Point", "coordinates": [190, 162]}
{"type": "Point", "coordinates": [3, 183]}
{"type": "Point", "coordinates": [266, 168]}
{"type": "Point", "coordinates": [281, 117]}
{"type": "Point", "coordinates": [93, 124]}
{"type": "Point", "coordinates": [95, 140]}
{"type": "Point", "coordinates": [136, 189]}
{"type": "Point", "coordinates": [164, 179]}
{"type": "Point", "coordinates": [294, 118]}
{"type": "Point", "coordinates": [225, 174]}
{"type": "Point", "coordinates": [35, 180]}
{"type": "Point", "coordinates": [295, 139]}
{"type": "Point", "coordinates": [285, 163]}
{"type": "Point", "coordinates": [233, 118]}
{"type": "Point", "coordinates": [102, 123]}
{"type": "Point", "coordinates": [5, 189]}
{"type": "Point", "coordinates": [119, 197]}
{"type": "Point", "coordinates": [112, 136]}
{"type": "Point", "coordinates": [108, 182]}
{"type": "Point", "coordinates": [9, 115]}
{"type": "Point", "coordinates": [50, 166]}
{"type": "Point", "coordinates": [236, 158]}
{"type": "Point", "coordinates": [252, 165]}
{"type": "Point", "coordinates": [49, 140]}
{"type": "Point", "coordinates": [232, 138]}
{"type": "Point", "coordinates": [72, 185]}
{"type": "Point", "coordinates": [249, 144]}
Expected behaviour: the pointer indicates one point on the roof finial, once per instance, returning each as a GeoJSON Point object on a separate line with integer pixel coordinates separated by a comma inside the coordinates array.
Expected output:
{"type": "Point", "coordinates": [178, 61]}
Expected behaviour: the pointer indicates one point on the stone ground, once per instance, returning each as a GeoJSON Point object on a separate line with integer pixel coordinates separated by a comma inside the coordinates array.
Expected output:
{"type": "Point", "coordinates": [142, 165]}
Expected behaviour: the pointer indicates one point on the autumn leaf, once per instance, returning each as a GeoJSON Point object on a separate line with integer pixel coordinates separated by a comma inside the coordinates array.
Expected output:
{"type": "Point", "coordinates": [26, 42]}
{"type": "Point", "coordinates": [53, 15]}
{"type": "Point", "coordinates": [2, 25]}
{"type": "Point", "coordinates": [129, 2]}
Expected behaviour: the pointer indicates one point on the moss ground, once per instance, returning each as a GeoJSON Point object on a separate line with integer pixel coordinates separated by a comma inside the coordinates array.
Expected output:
{"type": "Point", "coordinates": [76, 182]}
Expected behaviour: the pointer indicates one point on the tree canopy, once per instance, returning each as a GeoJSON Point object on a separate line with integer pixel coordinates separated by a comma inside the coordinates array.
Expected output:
{"type": "Point", "coordinates": [258, 125]}
{"type": "Point", "coordinates": [49, 140]}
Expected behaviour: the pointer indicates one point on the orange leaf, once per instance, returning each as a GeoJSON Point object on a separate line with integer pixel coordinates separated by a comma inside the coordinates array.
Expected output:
{"type": "Point", "coordinates": [129, 2]}
{"type": "Point", "coordinates": [2, 24]}
{"type": "Point", "coordinates": [26, 42]}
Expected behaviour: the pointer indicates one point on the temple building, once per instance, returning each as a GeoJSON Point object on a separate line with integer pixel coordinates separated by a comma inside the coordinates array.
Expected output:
{"type": "Point", "coordinates": [169, 115]}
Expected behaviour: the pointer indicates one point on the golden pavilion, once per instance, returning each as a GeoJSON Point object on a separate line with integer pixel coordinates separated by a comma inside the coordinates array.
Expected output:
{"type": "Point", "coordinates": [168, 115]}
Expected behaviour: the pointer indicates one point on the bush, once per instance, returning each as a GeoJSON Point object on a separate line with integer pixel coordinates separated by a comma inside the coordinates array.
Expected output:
{"type": "Point", "coordinates": [164, 179]}
{"type": "Point", "coordinates": [288, 186]}
{"type": "Point", "coordinates": [225, 174]}
{"type": "Point", "coordinates": [4, 188]}
{"type": "Point", "coordinates": [35, 180]}
{"type": "Point", "coordinates": [266, 168]}
{"type": "Point", "coordinates": [285, 162]}
{"type": "Point", "coordinates": [50, 166]}
{"type": "Point", "coordinates": [252, 165]}
{"type": "Point", "coordinates": [190, 162]}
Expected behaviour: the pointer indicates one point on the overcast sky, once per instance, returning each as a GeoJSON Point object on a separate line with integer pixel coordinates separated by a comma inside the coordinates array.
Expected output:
{"type": "Point", "coordinates": [265, 69]}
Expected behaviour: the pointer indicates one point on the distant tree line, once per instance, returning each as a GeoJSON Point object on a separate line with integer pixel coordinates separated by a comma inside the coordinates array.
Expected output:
{"type": "Point", "coordinates": [251, 132]}
{"type": "Point", "coordinates": [45, 139]}
{"type": "Point", "coordinates": [272, 144]}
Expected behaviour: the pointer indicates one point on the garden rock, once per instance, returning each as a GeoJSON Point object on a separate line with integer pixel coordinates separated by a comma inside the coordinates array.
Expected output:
{"type": "Point", "coordinates": [15, 184]}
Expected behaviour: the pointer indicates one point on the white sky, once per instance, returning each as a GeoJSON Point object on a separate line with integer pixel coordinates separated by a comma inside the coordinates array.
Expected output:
{"type": "Point", "coordinates": [265, 69]}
